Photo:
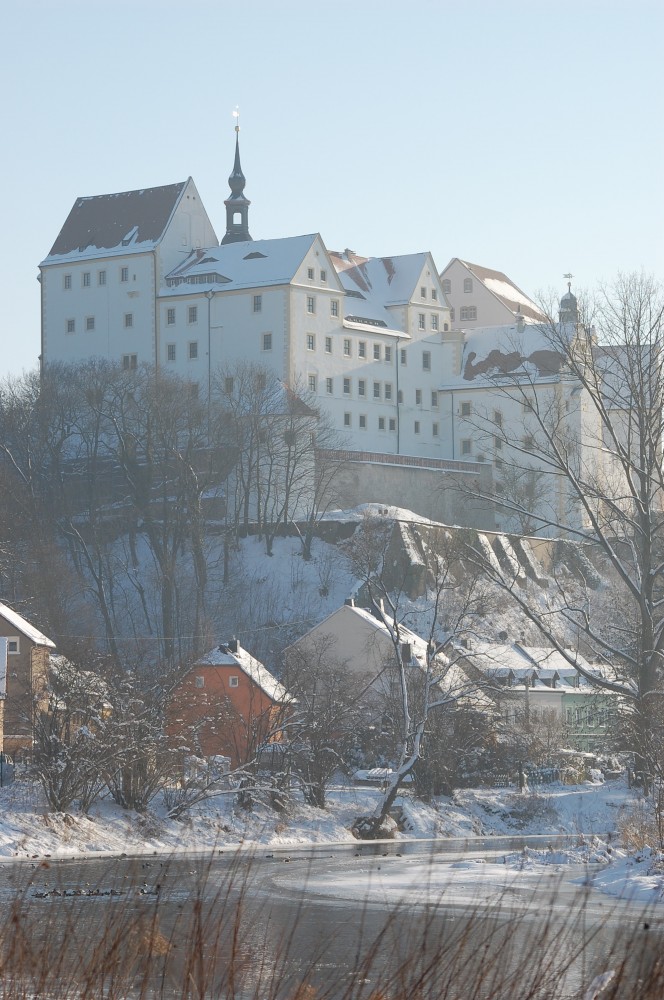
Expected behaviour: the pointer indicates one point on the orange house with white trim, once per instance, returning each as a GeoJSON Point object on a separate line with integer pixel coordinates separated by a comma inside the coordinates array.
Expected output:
{"type": "Point", "coordinates": [227, 704]}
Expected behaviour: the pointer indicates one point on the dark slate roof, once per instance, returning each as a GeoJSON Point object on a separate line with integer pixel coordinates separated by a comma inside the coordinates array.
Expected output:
{"type": "Point", "coordinates": [105, 221]}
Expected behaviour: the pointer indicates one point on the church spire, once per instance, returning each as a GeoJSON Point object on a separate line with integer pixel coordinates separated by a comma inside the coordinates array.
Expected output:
{"type": "Point", "coordinates": [237, 206]}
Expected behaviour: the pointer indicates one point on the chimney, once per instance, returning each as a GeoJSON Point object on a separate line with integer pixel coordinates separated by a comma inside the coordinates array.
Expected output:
{"type": "Point", "coordinates": [406, 653]}
{"type": "Point", "coordinates": [349, 602]}
{"type": "Point", "coordinates": [520, 323]}
{"type": "Point", "coordinates": [233, 645]}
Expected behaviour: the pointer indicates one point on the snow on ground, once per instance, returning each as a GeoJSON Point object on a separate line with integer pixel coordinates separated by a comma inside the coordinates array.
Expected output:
{"type": "Point", "coordinates": [591, 811]}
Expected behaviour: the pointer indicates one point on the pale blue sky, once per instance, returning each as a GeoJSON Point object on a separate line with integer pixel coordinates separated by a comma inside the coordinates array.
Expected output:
{"type": "Point", "coordinates": [524, 135]}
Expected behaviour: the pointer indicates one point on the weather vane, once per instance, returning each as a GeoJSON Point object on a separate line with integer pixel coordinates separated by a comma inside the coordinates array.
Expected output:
{"type": "Point", "coordinates": [568, 278]}
{"type": "Point", "coordinates": [236, 116]}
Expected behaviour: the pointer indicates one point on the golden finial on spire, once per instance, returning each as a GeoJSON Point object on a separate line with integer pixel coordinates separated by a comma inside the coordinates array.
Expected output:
{"type": "Point", "coordinates": [236, 116]}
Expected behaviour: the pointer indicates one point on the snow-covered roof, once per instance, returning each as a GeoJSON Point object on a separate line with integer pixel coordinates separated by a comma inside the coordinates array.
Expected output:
{"type": "Point", "coordinates": [504, 289]}
{"type": "Point", "coordinates": [221, 656]}
{"type": "Point", "coordinates": [251, 264]}
{"type": "Point", "coordinates": [542, 663]}
{"type": "Point", "coordinates": [126, 222]}
{"type": "Point", "coordinates": [24, 627]}
{"type": "Point", "coordinates": [504, 350]}
{"type": "Point", "coordinates": [387, 281]}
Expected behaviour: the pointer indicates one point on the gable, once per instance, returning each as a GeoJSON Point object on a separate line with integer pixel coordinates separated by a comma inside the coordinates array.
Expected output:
{"type": "Point", "coordinates": [21, 625]}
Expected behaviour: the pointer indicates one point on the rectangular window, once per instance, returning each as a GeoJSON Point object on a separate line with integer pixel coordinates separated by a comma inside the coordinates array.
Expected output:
{"type": "Point", "coordinates": [467, 285]}
{"type": "Point", "coordinates": [498, 443]}
{"type": "Point", "coordinates": [452, 314]}
{"type": "Point", "coordinates": [497, 418]}
{"type": "Point", "coordinates": [447, 286]}
{"type": "Point", "coordinates": [346, 387]}
{"type": "Point", "coordinates": [124, 274]}
{"type": "Point", "coordinates": [426, 361]}
{"type": "Point", "coordinates": [421, 321]}
{"type": "Point", "coordinates": [192, 315]}
{"type": "Point", "coordinates": [362, 349]}
{"type": "Point", "coordinates": [258, 303]}
{"type": "Point", "coordinates": [434, 430]}
{"type": "Point", "coordinates": [89, 323]}
{"type": "Point", "coordinates": [233, 681]}
{"type": "Point", "coordinates": [323, 275]}
{"type": "Point", "coordinates": [311, 342]}
{"type": "Point", "coordinates": [346, 419]}
{"type": "Point", "coordinates": [434, 294]}
{"type": "Point", "coordinates": [128, 320]}
{"type": "Point", "coordinates": [466, 446]}
{"type": "Point", "coordinates": [387, 354]}
{"type": "Point", "coordinates": [468, 313]}
{"type": "Point", "coordinates": [381, 423]}
{"type": "Point", "coordinates": [311, 304]}
{"type": "Point", "coordinates": [329, 386]}
{"type": "Point", "coordinates": [170, 317]}
{"type": "Point", "coordinates": [13, 646]}
{"type": "Point", "coordinates": [130, 362]}
{"type": "Point", "coordinates": [434, 399]}
{"type": "Point", "coordinates": [363, 422]}
{"type": "Point", "coordinates": [267, 341]}
{"type": "Point", "coordinates": [465, 409]}
{"type": "Point", "coordinates": [334, 307]}
{"type": "Point", "coordinates": [66, 282]}
{"type": "Point", "coordinates": [310, 273]}
{"type": "Point", "coordinates": [346, 348]}
{"type": "Point", "coordinates": [400, 396]}
{"type": "Point", "coordinates": [312, 383]}
{"type": "Point", "coordinates": [528, 442]}
{"type": "Point", "coordinates": [423, 292]}
{"type": "Point", "coordinates": [199, 681]}
{"type": "Point", "coordinates": [376, 390]}
{"type": "Point", "coordinates": [418, 397]}
{"type": "Point", "coordinates": [86, 279]}
{"type": "Point", "coordinates": [101, 278]}
{"type": "Point", "coordinates": [71, 326]}
{"type": "Point", "coordinates": [170, 352]}
{"type": "Point", "coordinates": [388, 390]}
{"type": "Point", "coordinates": [403, 357]}
{"type": "Point", "coordinates": [328, 345]}
{"type": "Point", "coordinates": [361, 387]}
{"type": "Point", "coordinates": [228, 385]}
{"type": "Point", "coordinates": [193, 350]}
{"type": "Point", "coordinates": [393, 423]}
{"type": "Point", "coordinates": [376, 352]}
{"type": "Point", "coordinates": [434, 321]}
{"type": "Point", "coordinates": [416, 427]}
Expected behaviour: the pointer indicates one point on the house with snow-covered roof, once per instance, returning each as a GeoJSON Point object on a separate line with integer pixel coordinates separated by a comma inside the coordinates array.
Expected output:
{"type": "Point", "coordinates": [481, 296]}
{"type": "Point", "coordinates": [24, 666]}
{"type": "Point", "coordinates": [226, 704]}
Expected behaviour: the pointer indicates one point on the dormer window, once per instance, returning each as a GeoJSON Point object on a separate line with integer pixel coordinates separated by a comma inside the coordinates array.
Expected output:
{"type": "Point", "coordinates": [131, 235]}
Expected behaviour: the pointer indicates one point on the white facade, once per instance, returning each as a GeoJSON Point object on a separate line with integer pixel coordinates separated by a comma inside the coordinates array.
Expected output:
{"type": "Point", "coordinates": [480, 297]}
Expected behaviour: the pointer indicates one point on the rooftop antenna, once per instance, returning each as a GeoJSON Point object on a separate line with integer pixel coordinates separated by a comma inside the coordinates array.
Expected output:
{"type": "Point", "coordinates": [568, 278]}
{"type": "Point", "coordinates": [236, 116]}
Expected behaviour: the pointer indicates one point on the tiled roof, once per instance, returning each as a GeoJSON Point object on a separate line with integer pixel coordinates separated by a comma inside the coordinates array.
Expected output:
{"type": "Point", "coordinates": [129, 219]}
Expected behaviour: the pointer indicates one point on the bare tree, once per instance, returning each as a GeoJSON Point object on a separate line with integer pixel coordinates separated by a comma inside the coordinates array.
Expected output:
{"type": "Point", "coordinates": [596, 434]}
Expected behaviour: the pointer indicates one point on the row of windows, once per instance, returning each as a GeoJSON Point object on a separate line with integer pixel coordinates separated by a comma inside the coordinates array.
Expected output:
{"type": "Point", "coordinates": [192, 351]}
{"type": "Point", "coordinates": [423, 293]}
{"type": "Point", "coordinates": [86, 278]}
{"type": "Point", "coordinates": [387, 424]}
{"type": "Point", "coordinates": [192, 315]}
{"type": "Point", "coordinates": [466, 313]}
{"type": "Point", "coordinates": [90, 324]}
{"type": "Point", "coordinates": [379, 390]}
{"type": "Point", "coordinates": [311, 274]}
{"type": "Point", "coordinates": [467, 285]}
{"type": "Point", "coordinates": [422, 322]}
{"type": "Point", "coordinates": [311, 306]}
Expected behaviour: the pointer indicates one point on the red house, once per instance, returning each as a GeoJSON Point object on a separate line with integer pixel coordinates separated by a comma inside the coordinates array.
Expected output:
{"type": "Point", "coordinates": [228, 703]}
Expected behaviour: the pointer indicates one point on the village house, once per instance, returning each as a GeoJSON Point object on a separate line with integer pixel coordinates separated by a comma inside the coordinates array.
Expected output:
{"type": "Point", "coordinates": [227, 704]}
{"type": "Point", "coordinates": [26, 673]}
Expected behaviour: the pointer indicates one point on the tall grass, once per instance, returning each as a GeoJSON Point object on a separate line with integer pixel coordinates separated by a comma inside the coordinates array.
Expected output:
{"type": "Point", "coordinates": [223, 929]}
